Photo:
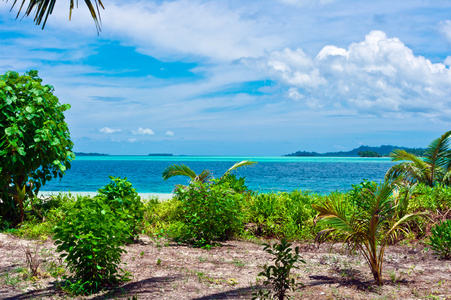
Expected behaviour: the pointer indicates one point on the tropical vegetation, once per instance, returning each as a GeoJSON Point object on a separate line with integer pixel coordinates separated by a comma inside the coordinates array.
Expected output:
{"type": "Point", "coordinates": [204, 176]}
{"type": "Point", "coordinates": [432, 169]}
{"type": "Point", "coordinates": [91, 232]}
{"type": "Point", "coordinates": [35, 144]}
{"type": "Point", "coordinates": [369, 225]}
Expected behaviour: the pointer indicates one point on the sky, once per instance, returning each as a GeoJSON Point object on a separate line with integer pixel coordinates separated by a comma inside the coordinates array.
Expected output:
{"type": "Point", "coordinates": [233, 77]}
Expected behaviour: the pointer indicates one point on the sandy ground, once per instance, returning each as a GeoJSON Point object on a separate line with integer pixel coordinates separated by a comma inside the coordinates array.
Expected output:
{"type": "Point", "coordinates": [162, 269]}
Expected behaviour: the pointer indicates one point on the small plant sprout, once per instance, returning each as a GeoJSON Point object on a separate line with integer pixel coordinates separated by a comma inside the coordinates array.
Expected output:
{"type": "Point", "coordinates": [32, 260]}
{"type": "Point", "coordinates": [278, 275]}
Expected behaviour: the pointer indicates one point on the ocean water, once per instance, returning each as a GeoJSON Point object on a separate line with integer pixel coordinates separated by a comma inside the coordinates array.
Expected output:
{"type": "Point", "coordinates": [317, 174]}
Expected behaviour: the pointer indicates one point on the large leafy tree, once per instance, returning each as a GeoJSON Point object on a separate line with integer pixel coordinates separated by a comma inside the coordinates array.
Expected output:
{"type": "Point", "coordinates": [35, 145]}
{"type": "Point", "coordinates": [41, 9]}
{"type": "Point", "coordinates": [433, 168]}
{"type": "Point", "coordinates": [368, 225]}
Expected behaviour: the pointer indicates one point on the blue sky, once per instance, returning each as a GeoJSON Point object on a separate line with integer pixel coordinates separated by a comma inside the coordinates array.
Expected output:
{"type": "Point", "coordinates": [242, 77]}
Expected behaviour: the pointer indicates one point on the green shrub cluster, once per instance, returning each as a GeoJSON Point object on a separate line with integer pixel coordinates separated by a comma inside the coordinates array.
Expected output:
{"type": "Point", "coordinates": [91, 237]}
{"type": "Point", "coordinates": [433, 199]}
{"type": "Point", "coordinates": [93, 232]}
{"type": "Point", "coordinates": [123, 199]}
{"type": "Point", "coordinates": [284, 214]}
{"type": "Point", "coordinates": [210, 212]}
{"type": "Point", "coordinates": [440, 239]}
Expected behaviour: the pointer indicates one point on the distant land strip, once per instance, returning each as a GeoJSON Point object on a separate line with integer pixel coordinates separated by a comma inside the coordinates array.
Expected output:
{"type": "Point", "coordinates": [90, 154]}
{"type": "Point", "coordinates": [363, 151]}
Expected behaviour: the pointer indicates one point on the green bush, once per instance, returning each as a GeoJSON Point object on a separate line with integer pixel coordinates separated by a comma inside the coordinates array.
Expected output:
{"type": "Point", "coordinates": [237, 184]}
{"type": "Point", "coordinates": [91, 237]}
{"type": "Point", "coordinates": [358, 191]}
{"type": "Point", "coordinates": [283, 214]}
{"type": "Point", "coordinates": [433, 199]}
{"type": "Point", "coordinates": [440, 239]}
{"type": "Point", "coordinates": [210, 212]}
{"type": "Point", "coordinates": [124, 200]}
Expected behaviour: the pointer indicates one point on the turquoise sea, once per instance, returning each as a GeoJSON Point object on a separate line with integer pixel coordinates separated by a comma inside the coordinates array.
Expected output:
{"type": "Point", "coordinates": [318, 174]}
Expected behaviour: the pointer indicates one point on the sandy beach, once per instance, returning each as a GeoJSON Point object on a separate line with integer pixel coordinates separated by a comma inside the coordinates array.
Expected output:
{"type": "Point", "coordinates": [160, 196]}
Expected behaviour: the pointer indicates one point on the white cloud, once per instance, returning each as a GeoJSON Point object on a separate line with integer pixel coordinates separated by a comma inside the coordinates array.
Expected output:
{"type": "Point", "coordinates": [445, 28]}
{"type": "Point", "coordinates": [378, 76]}
{"type": "Point", "coordinates": [132, 140]}
{"type": "Point", "coordinates": [169, 133]}
{"type": "Point", "coordinates": [142, 131]}
{"type": "Point", "coordinates": [185, 27]}
{"type": "Point", "coordinates": [108, 130]}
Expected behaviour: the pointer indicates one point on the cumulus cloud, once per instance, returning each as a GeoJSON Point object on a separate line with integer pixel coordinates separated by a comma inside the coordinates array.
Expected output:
{"type": "Point", "coordinates": [142, 131]}
{"type": "Point", "coordinates": [378, 76]}
{"type": "Point", "coordinates": [108, 130]}
{"type": "Point", "coordinates": [132, 140]}
{"type": "Point", "coordinates": [169, 133]}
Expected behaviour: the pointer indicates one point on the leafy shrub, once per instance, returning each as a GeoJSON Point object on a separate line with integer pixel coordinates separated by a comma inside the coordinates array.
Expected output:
{"type": "Point", "coordinates": [440, 239]}
{"type": "Point", "coordinates": [124, 200]}
{"type": "Point", "coordinates": [237, 184]}
{"type": "Point", "coordinates": [35, 145]}
{"type": "Point", "coordinates": [355, 195]}
{"type": "Point", "coordinates": [433, 199]}
{"type": "Point", "coordinates": [282, 214]}
{"type": "Point", "coordinates": [91, 237]}
{"type": "Point", "coordinates": [278, 275]}
{"type": "Point", "coordinates": [163, 216]}
{"type": "Point", "coordinates": [210, 212]}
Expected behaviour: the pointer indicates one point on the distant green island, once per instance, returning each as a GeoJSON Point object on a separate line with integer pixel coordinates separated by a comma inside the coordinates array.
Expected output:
{"type": "Point", "coordinates": [90, 154]}
{"type": "Point", "coordinates": [363, 151]}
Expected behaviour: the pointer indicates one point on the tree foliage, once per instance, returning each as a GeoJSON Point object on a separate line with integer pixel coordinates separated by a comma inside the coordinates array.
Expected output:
{"type": "Point", "coordinates": [35, 145]}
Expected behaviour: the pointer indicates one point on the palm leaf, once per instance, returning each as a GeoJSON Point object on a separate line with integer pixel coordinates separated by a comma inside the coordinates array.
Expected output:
{"type": "Point", "coordinates": [239, 165]}
{"type": "Point", "coordinates": [176, 170]}
{"type": "Point", "coordinates": [414, 170]}
{"type": "Point", "coordinates": [438, 151]}
{"type": "Point", "coordinates": [203, 177]}
{"type": "Point", "coordinates": [43, 8]}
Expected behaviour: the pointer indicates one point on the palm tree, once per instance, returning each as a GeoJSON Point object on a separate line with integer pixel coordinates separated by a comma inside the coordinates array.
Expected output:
{"type": "Point", "coordinates": [434, 168]}
{"type": "Point", "coordinates": [41, 9]}
{"type": "Point", "coordinates": [369, 230]}
{"type": "Point", "coordinates": [204, 176]}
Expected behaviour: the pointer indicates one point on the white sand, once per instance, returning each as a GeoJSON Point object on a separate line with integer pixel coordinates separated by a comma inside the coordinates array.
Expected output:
{"type": "Point", "coordinates": [160, 196]}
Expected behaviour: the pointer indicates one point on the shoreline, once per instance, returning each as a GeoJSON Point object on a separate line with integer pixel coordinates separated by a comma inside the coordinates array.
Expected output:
{"type": "Point", "coordinates": [145, 196]}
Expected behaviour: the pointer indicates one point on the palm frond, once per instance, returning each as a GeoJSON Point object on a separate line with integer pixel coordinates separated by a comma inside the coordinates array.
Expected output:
{"type": "Point", "coordinates": [203, 177]}
{"type": "Point", "coordinates": [240, 164]}
{"type": "Point", "coordinates": [333, 211]}
{"type": "Point", "coordinates": [42, 9]}
{"type": "Point", "coordinates": [403, 220]}
{"type": "Point", "coordinates": [438, 151]}
{"type": "Point", "coordinates": [176, 170]}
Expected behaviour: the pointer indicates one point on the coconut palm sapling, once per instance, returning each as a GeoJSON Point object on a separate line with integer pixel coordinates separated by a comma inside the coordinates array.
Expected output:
{"type": "Point", "coordinates": [369, 230]}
